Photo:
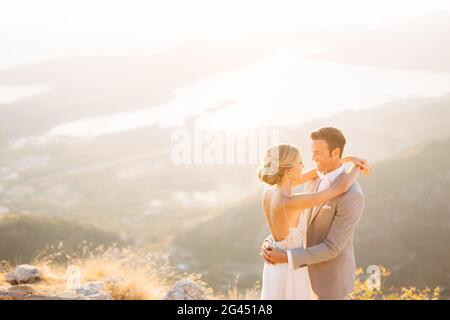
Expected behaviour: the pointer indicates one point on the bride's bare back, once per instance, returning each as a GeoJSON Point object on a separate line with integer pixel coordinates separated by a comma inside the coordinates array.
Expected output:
{"type": "Point", "coordinates": [278, 219]}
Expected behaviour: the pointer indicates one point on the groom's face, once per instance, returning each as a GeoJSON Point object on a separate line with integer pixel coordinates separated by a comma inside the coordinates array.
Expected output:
{"type": "Point", "coordinates": [322, 156]}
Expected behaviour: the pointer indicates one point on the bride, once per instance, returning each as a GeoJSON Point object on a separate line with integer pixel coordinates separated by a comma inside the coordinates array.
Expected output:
{"type": "Point", "coordinates": [282, 168]}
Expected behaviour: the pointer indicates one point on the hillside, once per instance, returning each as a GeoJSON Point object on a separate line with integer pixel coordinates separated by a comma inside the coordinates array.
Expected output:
{"type": "Point", "coordinates": [126, 182]}
{"type": "Point", "coordinates": [405, 225]}
{"type": "Point", "coordinates": [22, 236]}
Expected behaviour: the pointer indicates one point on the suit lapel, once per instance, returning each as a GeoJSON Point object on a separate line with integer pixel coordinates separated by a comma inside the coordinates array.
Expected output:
{"type": "Point", "coordinates": [316, 210]}
{"type": "Point", "coordinates": [311, 212]}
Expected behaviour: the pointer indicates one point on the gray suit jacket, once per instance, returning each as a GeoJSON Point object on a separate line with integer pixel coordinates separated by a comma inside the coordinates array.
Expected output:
{"type": "Point", "coordinates": [328, 251]}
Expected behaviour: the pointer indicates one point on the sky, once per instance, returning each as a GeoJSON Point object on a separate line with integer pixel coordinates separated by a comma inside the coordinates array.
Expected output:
{"type": "Point", "coordinates": [39, 30]}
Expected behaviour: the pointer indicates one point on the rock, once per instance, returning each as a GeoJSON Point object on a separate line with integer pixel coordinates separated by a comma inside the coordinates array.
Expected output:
{"type": "Point", "coordinates": [186, 290]}
{"type": "Point", "coordinates": [21, 290]}
{"type": "Point", "coordinates": [12, 295]}
{"type": "Point", "coordinates": [10, 278]}
{"type": "Point", "coordinates": [23, 273]}
{"type": "Point", "coordinates": [94, 290]}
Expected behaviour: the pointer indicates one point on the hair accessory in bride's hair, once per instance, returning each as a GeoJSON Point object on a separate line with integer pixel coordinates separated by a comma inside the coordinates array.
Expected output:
{"type": "Point", "coordinates": [270, 166]}
{"type": "Point", "coordinates": [277, 160]}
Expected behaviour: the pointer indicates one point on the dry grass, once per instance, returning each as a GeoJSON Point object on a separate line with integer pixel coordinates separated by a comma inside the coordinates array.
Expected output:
{"type": "Point", "coordinates": [363, 291]}
{"type": "Point", "coordinates": [235, 293]}
{"type": "Point", "coordinates": [127, 273]}
{"type": "Point", "coordinates": [125, 281]}
{"type": "Point", "coordinates": [133, 274]}
{"type": "Point", "coordinates": [5, 267]}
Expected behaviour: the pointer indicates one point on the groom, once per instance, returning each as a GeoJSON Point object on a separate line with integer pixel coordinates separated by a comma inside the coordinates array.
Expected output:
{"type": "Point", "coordinates": [328, 251]}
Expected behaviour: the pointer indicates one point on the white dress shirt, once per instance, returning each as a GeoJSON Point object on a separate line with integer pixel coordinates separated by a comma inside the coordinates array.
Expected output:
{"type": "Point", "coordinates": [325, 181]}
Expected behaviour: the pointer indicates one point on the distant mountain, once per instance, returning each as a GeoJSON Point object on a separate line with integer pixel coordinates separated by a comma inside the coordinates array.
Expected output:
{"type": "Point", "coordinates": [405, 225]}
{"type": "Point", "coordinates": [22, 236]}
{"type": "Point", "coordinates": [381, 132]}
{"type": "Point", "coordinates": [83, 87]}
{"type": "Point", "coordinates": [128, 183]}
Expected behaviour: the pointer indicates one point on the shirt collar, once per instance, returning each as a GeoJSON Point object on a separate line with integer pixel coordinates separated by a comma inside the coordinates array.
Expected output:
{"type": "Point", "coordinates": [331, 176]}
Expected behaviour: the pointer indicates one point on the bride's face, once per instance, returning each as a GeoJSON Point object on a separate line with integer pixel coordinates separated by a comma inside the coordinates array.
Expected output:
{"type": "Point", "coordinates": [296, 171]}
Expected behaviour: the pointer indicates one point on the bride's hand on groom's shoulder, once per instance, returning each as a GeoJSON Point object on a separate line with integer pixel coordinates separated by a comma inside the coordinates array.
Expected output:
{"type": "Point", "coordinates": [366, 168]}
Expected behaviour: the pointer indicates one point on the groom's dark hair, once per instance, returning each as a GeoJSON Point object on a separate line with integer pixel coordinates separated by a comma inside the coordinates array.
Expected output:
{"type": "Point", "coordinates": [334, 138]}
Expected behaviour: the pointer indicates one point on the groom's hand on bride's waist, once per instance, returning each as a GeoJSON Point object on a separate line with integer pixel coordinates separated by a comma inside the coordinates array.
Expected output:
{"type": "Point", "coordinates": [274, 256]}
{"type": "Point", "coordinates": [265, 246]}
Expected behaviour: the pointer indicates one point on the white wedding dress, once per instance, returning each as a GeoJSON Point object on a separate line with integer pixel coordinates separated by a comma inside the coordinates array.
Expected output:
{"type": "Point", "coordinates": [281, 282]}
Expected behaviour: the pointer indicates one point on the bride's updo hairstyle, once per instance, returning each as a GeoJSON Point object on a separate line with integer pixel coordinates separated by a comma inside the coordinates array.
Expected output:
{"type": "Point", "coordinates": [277, 160]}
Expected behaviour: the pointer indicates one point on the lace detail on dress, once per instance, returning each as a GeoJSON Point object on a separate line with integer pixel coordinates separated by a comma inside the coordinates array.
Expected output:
{"type": "Point", "coordinates": [294, 239]}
